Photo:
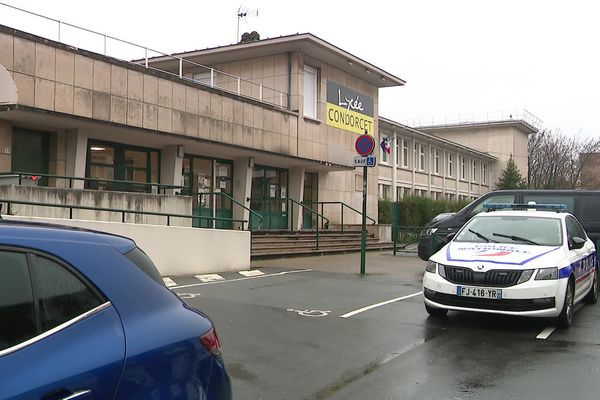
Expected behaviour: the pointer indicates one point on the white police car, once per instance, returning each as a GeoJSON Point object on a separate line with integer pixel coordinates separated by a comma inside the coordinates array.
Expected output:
{"type": "Point", "coordinates": [516, 260]}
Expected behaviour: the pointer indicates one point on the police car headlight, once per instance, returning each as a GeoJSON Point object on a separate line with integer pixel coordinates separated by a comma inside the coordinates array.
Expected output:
{"type": "Point", "coordinates": [431, 267]}
{"type": "Point", "coordinates": [525, 276]}
{"type": "Point", "coordinates": [547, 274]}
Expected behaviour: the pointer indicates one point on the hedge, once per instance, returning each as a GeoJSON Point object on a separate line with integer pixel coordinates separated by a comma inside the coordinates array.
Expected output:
{"type": "Point", "coordinates": [415, 210]}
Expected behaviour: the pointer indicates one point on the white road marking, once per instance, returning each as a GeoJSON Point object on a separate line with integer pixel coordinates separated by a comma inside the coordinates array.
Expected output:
{"type": "Point", "coordinates": [253, 272]}
{"type": "Point", "coordinates": [401, 351]}
{"type": "Point", "coordinates": [546, 332]}
{"type": "Point", "coordinates": [188, 295]}
{"type": "Point", "coordinates": [242, 279]}
{"type": "Point", "coordinates": [360, 310]}
{"type": "Point", "coordinates": [169, 282]}
{"type": "Point", "coordinates": [310, 313]}
{"type": "Point", "coordinates": [209, 277]}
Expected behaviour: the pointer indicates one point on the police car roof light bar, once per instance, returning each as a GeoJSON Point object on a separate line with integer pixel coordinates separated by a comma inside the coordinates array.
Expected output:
{"type": "Point", "coordinates": [524, 206]}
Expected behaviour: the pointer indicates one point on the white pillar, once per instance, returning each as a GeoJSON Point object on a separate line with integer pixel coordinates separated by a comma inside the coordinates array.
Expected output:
{"type": "Point", "coordinates": [296, 192]}
{"type": "Point", "coordinates": [75, 157]}
{"type": "Point", "coordinates": [171, 165]}
{"type": "Point", "coordinates": [242, 188]}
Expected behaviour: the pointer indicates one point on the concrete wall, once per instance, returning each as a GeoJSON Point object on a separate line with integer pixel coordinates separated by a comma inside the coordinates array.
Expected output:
{"type": "Point", "coordinates": [311, 138]}
{"type": "Point", "coordinates": [59, 78]}
{"type": "Point", "coordinates": [500, 141]}
{"type": "Point", "coordinates": [438, 184]}
{"type": "Point", "coordinates": [181, 205]}
{"type": "Point", "coordinates": [177, 250]}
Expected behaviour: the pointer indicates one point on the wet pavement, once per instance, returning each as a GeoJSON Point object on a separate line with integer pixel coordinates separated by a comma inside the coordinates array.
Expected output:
{"type": "Point", "coordinates": [313, 328]}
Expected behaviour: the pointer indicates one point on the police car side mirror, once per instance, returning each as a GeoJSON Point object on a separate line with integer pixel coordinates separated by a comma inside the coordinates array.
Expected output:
{"type": "Point", "coordinates": [450, 236]}
{"type": "Point", "coordinates": [577, 242]}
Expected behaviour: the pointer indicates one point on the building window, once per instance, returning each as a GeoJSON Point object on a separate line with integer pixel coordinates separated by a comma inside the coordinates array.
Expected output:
{"type": "Point", "coordinates": [399, 193]}
{"type": "Point", "coordinates": [385, 192]}
{"type": "Point", "coordinates": [484, 172]}
{"type": "Point", "coordinates": [310, 92]}
{"type": "Point", "coordinates": [437, 161]}
{"type": "Point", "coordinates": [463, 168]}
{"type": "Point", "coordinates": [385, 157]}
{"type": "Point", "coordinates": [405, 153]}
{"type": "Point", "coordinates": [422, 157]}
{"type": "Point", "coordinates": [474, 176]}
{"type": "Point", "coordinates": [397, 147]}
{"type": "Point", "coordinates": [450, 165]}
{"type": "Point", "coordinates": [109, 162]}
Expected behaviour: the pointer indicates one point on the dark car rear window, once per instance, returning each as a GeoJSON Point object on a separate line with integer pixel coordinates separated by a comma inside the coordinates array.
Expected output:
{"type": "Point", "coordinates": [143, 262]}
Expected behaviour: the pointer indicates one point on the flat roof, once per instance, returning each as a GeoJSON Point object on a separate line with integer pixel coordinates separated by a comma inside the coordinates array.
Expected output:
{"type": "Point", "coordinates": [305, 43]}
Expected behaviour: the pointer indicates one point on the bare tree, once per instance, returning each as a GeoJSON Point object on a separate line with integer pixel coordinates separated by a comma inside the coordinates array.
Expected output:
{"type": "Point", "coordinates": [556, 160]}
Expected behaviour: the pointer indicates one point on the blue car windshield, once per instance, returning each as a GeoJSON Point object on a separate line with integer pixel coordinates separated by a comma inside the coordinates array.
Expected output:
{"type": "Point", "coordinates": [513, 229]}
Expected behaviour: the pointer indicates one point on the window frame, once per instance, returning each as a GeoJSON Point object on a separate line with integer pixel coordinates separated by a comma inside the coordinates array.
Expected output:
{"type": "Point", "coordinates": [422, 157]}
{"type": "Point", "coordinates": [312, 71]}
{"type": "Point", "coordinates": [385, 157]}
{"type": "Point", "coordinates": [120, 168]}
{"type": "Point", "coordinates": [405, 153]}
{"type": "Point", "coordinates": [31, 256]}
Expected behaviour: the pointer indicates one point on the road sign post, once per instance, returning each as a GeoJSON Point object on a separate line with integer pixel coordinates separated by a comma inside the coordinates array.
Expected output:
{"type": "Point", "coordinates": [365, 144]}
{"type": "Point", "coordinates": [363, 236]}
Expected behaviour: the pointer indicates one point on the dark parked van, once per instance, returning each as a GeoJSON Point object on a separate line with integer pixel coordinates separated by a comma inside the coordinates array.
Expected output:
{"type": "Point", "coordinates": [584, 204]}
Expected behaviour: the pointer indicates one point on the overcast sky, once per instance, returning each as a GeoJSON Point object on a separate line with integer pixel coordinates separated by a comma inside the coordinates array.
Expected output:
{"type": "Point", "coordinates": [457, 56]}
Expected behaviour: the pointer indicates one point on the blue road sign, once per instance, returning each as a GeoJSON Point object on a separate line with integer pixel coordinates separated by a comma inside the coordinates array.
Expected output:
{"type": "Point", "coordinates": [369, 161]}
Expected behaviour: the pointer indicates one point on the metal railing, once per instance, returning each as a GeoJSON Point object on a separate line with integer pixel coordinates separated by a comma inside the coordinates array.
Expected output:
{"type": "Point", "coordinates": [402, 236]}
{"type": "Point", "coordinates": [523, 116]}
{"type": "Point", "coordinates": [226, 196]}
{"type": "Point", "coordinates": [342, 205]}
{"type": "Point", "coordinates": [186, 69]}
{"type": "Point", "coordinates": [119, 185]}
{"type": "Point", "coordinates": [313, 212]}
{"type": "Point", "coordinates": [123, 212]}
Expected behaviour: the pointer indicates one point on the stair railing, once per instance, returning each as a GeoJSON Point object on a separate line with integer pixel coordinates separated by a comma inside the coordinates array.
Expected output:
{"type": "Point", "coordinates": [313, 212]}
{"type": "Point", "coordinates": [342, 205]}
{"type": "Point", "coordinates": [225, 195]}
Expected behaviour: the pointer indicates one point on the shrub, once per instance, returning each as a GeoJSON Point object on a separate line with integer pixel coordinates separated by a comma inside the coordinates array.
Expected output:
{"type": "Point", "coordinates": [418, 211]}
{"type": "Point", "coordinates": [384, 211]}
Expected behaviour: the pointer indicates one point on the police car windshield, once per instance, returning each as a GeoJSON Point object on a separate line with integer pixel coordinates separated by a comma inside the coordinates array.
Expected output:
{"type": "Point", "coordinates": [529, 230]}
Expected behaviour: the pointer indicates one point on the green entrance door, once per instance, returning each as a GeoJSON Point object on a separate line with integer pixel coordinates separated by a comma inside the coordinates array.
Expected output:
{"type": "Point", "coordinates": [310, 199]}
{"type": "Point", "coordinates": [269, 198]}
{"type": "Point", "coordinates": [205, 179]}
{"type": "Point", "coordinates": [30, 153]}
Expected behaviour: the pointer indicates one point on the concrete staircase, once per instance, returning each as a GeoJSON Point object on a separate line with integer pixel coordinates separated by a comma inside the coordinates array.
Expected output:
{"type": "Point", "coordinates": [275, 244]}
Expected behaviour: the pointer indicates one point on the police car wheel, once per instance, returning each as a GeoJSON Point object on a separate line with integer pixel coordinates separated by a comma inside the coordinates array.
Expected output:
{"type": "Point", "coordinates": [436, 312]}
{"type": "Point", "coordinates": [566, 316]}
{"type": "Point", "coordinates": [592, 296]}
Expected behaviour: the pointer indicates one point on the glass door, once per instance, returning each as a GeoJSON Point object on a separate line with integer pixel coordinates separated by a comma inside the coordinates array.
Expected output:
{"type": "Point", "coordinates": [269, 198]}
{"type": "Point", "coordinates": [223, 205]}
{"type": "Point", "coordinates": [204, 179]}
{"type": "Point", "coordinates": [310, 199]}
{"type": "Point", "coordinates": [30, 153]}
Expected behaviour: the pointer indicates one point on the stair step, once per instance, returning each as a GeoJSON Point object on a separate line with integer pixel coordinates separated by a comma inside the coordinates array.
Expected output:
{"type": "Point", "coordinates": [321, 250]}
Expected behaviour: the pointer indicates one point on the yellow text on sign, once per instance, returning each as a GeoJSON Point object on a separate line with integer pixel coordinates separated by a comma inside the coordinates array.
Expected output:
{"type": "Point", "coordinates": [348, 120]}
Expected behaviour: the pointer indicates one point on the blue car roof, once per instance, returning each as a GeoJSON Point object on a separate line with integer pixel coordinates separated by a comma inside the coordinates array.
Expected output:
{"type": "Point", "coordinates": [35, 230]}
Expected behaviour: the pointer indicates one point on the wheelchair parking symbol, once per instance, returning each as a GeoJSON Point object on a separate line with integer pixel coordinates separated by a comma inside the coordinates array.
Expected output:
{"type": "Point", "coordinates": [310, 313]}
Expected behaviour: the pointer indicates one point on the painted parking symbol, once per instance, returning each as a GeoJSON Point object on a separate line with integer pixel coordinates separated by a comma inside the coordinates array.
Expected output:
{"type": "Point", "coordinates": [186, 296]}
{"type": "Point", "coordinates": [310, 313]}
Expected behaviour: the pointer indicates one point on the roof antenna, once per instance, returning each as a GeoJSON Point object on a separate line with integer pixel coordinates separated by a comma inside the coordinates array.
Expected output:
{"type": "Point", "coordinates": [243, 12]}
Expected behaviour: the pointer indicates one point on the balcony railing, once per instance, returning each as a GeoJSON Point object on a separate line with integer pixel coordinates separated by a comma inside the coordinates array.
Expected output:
{"type": "Point", "coordinates": [124, 50]}
{"type": "Point", "coordinates": [522, 116]}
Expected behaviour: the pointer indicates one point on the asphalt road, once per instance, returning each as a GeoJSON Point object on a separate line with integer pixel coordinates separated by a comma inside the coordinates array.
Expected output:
{"type": "Point", "coordinates": [304, 330]}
